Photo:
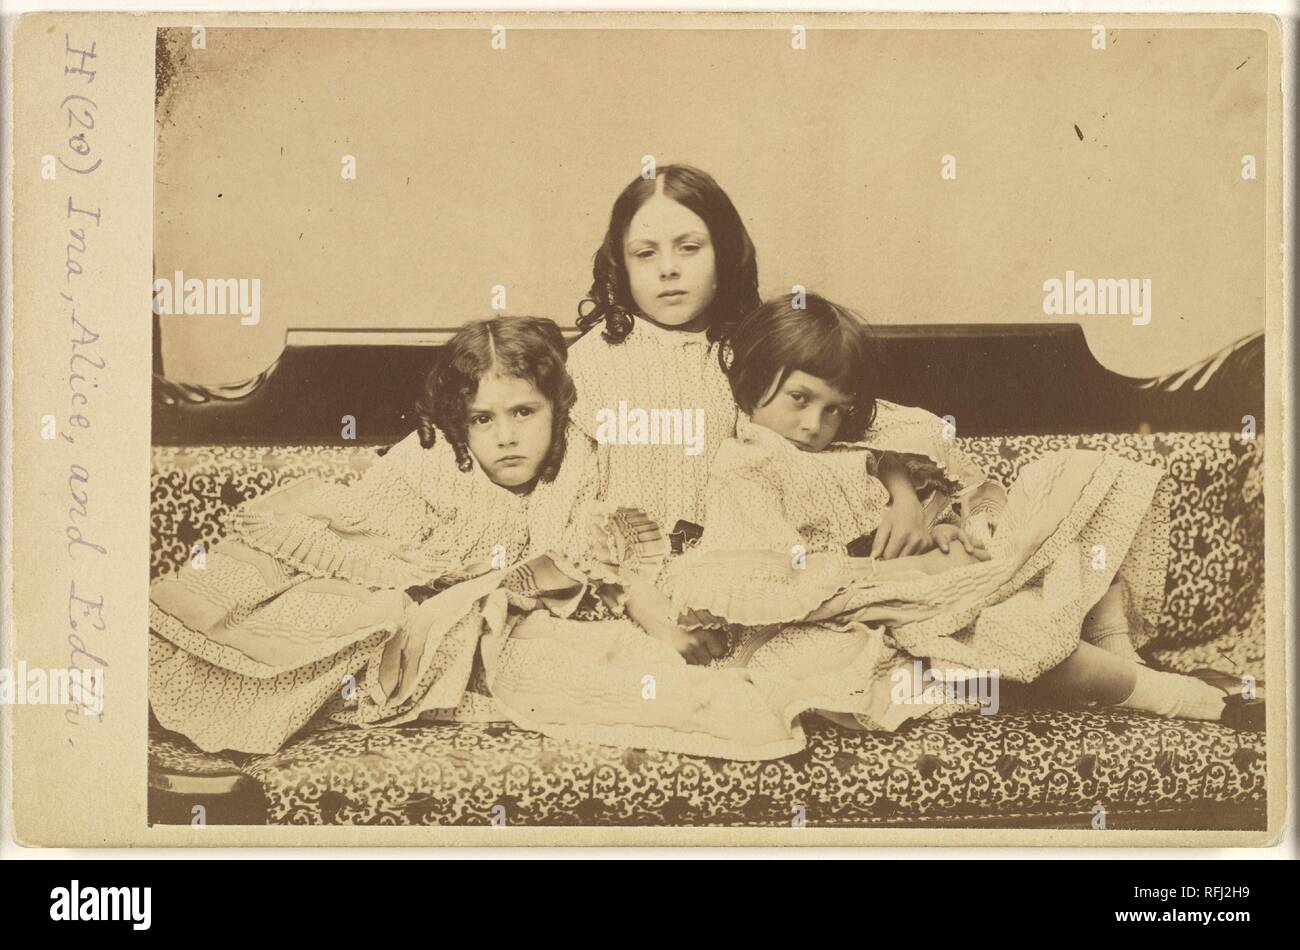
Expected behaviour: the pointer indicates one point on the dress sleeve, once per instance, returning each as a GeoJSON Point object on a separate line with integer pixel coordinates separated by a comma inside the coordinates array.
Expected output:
{"type": "Point", "coordinates": [368, 533]}
{"type": "Point", "coordinates": [751, 565]}
{"type": "Point", "coordinates": [745, 512]}
{"type": "Point", "coordinates": [927, 447]}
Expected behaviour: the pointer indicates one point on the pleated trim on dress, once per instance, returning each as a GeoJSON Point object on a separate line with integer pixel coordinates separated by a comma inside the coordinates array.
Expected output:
{"type": "Point", "coordinates": [925, 444]}
{"type": "Point", "coordinates": [309, 545]}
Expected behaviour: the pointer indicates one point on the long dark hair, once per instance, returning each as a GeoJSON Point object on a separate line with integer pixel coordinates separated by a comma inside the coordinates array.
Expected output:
{"type": "Point", "coordinates": [821, 339]}
{"type": "Point", "coordinates": [528, 348]}
{"type": "Point", "coordinates": [610, 298]}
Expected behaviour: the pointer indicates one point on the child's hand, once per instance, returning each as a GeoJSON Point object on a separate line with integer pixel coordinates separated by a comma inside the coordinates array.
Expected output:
{"type": "Point", "coordinates": [697, 647]}
{"type": "Point", "coordinates": [944, 535]}
{"type": "Point", "coordinates": [654, 614]}
{"type": "Point", "coordinates": [979, 526]}
{"type": "Point", "coordinates": [902, 530]}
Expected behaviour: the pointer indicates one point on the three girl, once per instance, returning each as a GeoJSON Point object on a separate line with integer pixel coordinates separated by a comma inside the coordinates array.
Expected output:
{"type": "Point", "coordinates": [469, 546]}
{"type": "Point", "coordinates": [770, 595]}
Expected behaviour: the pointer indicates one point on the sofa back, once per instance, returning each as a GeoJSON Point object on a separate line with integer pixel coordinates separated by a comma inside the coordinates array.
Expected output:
{"type": "Point", "coordinates": [993, 379]}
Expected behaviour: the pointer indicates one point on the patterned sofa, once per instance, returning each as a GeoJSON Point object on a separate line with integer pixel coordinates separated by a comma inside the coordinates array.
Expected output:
{"type": "Point", "coordinates": [1030, 766]}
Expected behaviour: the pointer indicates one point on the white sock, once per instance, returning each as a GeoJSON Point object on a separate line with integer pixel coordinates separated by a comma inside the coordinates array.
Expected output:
{"type": "Point", "coordinates": [1106, 625]}
{"type": "Point", "coordinates": [1174, 696]}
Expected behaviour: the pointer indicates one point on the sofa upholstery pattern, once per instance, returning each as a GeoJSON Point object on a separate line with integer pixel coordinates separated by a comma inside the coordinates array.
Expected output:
{"type": "Point", "coordinates": [1046, 762]}
{"type": "Point", "coordinates": [1030, 763]}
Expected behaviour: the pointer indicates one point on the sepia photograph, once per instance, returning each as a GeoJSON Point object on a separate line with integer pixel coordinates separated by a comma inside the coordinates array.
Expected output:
{"type": "Point", "coordinates": [832, 428]}
{"type": "Point", "coordinates": [810, 427]}
{"type": "Point", "coordinates": [793, 434]}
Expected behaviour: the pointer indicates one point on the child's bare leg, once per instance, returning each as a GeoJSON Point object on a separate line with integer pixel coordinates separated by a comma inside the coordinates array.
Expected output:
{"type": "Point", "coordinates": [1092, 674]}
{"type": "Point", "coordinates": [1106, 625]}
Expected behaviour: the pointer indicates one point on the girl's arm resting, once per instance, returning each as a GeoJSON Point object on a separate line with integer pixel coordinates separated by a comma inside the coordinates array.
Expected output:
{"type": "Point", "coordinates": [367, 532]}
{"type": "Point", "coordinates": [903, 529]}
{"type": "Point", "coordinates": [645, 603]}
{"type": "Point", "coordinates": [893, 475]}
{"type": "Point", "coordinates": [653, 612]}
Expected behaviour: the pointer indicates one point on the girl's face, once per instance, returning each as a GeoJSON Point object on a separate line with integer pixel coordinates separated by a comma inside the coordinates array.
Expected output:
{"type": "Point", "coordinates": [509, 430]}
{"type": "Point", "coordinates": [668, 254]}
{"type": "Point", "coordinates": [806, 410]}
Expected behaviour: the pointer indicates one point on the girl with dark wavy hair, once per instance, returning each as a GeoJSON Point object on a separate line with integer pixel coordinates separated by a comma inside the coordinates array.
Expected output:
{"type": "Point", "coordinates": [501, 396]}
{"type": "Point", "coordinates": [625, 281]}
{"type": "Point", "coordinates": [319, 583]}
{"type": "Point", "coordinates": [676, 268]}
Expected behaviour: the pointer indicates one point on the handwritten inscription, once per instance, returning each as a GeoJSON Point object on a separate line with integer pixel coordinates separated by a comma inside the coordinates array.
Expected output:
{"type": "Point", "coordinates": [82, 217]}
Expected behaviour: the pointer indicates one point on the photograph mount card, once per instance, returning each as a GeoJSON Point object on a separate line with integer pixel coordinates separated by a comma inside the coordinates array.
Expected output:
{"type": "Point", "coordinates": [713, 429]}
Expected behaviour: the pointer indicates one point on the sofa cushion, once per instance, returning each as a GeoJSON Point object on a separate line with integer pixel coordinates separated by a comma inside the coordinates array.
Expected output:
{"type": "Point", "coordinates": [1028, 764]}
{"type": "Point", "coordinates": [1040, 765]}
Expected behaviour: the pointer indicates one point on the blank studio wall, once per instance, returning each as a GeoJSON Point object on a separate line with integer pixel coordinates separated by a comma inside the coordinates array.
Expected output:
{"type": "Point", "coordinates": [478, 167]}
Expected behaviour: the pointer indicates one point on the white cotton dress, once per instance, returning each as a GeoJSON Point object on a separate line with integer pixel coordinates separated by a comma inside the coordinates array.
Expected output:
{"type": "Point", "coordinates": [813, 629]}
{"type": "Point", "coordinates": [303, 604]}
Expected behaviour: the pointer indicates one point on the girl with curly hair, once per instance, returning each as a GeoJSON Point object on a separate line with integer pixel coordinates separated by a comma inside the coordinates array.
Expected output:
{"type": "Point", "coordinates": [323, 593]}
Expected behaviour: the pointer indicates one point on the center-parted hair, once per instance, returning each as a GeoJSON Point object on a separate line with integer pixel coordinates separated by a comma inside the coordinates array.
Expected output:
{"type": "Point", "coordinates": [528, 348]}
{"type": "Point", "coordinates": [610, 297]}
{"type": "Point", "coordinates": [823, 339]}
